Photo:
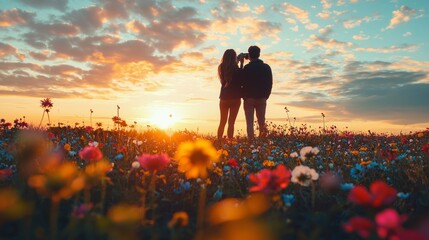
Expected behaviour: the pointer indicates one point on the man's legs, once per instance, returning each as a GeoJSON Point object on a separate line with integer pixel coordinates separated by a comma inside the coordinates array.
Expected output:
{"type": "Point", "coordinates": [249, 112]}
{"type": "Point", "coordinates": [261, 106]}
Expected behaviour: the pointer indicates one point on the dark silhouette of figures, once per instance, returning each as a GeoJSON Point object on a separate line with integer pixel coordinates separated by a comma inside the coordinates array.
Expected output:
{"type": "Point", "coordinates": [230, 92]}
{"type": "Point", "coordinates": [257, 85]}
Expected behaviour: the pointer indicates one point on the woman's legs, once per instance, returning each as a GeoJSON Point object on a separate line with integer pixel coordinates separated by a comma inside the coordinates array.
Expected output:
{"type": "Point", "coordinates": [233, 111]}
{"type": "Point", "coordinates": [223, 107]}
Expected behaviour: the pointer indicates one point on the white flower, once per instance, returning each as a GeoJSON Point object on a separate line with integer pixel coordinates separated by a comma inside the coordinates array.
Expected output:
{"type": "Point", "coordinates": [294, 155]}
{"type": "Point", "coordinates": [303, 175]}
{"type": "Point", "coordinates": [135, 165]}
{"type": "Point", "coordinates": [93, 144]}
{"type": "Point", "coordinates": [304, 152]}
{"type": "Point", "coordinates": [315, 150]}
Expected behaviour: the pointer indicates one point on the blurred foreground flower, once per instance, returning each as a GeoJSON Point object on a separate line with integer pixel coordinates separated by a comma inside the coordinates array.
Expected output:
{"type": "Point", "coordinates": [194, 158]}
{"type": "Point", "coordinates": [179, 219]}
{"type": "Point", "coordinates": [380, 194]}
{"type": "Point", "coordinates": [96, 171]}
{"type": "Point", "coordinates": [154, 162]}
{"type": "Point", "coordinates": [11, 206]}
{"type": "Point", "coordinates": [270, 181]}
{"type": "Point", "coordinates": [303, 175]}
{"type": "Point", "coordinates": [233, 209]}
{"type": "Point", "coordinates": [58, 183]}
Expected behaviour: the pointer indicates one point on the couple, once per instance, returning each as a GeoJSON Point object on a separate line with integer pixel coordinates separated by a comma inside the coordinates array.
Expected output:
{"type": "Point", "coordinates": [252, 82]}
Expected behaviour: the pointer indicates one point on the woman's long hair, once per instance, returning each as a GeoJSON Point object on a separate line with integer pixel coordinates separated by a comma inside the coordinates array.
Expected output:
{"type": "Point", "coordinates": [227, 67]}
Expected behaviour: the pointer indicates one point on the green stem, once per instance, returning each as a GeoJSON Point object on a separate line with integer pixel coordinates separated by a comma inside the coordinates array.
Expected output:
{"type": "Point", "coordinates": [152, 193]}
{"type": "Point", "coordinates": [313, 195]}
{"type": "Point", "coordinates": [40, 124]}
{"type": "Point", "coordinates": [200, 216]}
{"type": "Point", "coordinates": [54, 219]}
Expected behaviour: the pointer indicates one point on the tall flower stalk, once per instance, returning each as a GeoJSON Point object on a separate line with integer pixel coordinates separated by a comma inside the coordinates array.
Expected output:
{"type": "Point", "coordinates": [46, 104]}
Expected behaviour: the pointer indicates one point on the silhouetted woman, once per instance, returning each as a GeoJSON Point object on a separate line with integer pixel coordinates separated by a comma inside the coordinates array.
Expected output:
{"type": "Point", "coordinates": [230, 92]}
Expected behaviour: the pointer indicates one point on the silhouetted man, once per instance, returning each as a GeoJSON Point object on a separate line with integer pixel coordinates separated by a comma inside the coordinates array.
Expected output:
{"type": "Point", "coordinates": [257, 85]}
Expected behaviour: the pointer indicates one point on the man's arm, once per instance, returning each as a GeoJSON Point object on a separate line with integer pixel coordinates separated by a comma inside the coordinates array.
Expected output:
{"type": "Point", "coordinates": [270, 81]}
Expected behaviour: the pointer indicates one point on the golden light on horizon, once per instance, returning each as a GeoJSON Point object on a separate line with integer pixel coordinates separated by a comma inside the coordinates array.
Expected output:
{"type": "Point", "coordinates": [163, 118]}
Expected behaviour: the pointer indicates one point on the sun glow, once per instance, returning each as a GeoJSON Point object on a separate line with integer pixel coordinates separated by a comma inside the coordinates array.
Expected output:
{"type": "Point", "coordinates": [163, 118]}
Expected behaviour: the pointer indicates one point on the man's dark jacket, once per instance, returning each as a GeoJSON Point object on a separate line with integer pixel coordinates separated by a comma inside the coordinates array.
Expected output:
{"type": "Point", "coordinates": [258, 80]}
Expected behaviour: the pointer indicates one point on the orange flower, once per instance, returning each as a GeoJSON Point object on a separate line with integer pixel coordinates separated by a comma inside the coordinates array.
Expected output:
{"type": "Point", "coordinates": [67, 147]}
{"type": "Point", "coordinates": [179, 219]}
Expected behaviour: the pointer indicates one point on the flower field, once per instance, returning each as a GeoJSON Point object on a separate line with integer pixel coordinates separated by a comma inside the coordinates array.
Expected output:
{"type": "Point", "coordinates": [85, 183]}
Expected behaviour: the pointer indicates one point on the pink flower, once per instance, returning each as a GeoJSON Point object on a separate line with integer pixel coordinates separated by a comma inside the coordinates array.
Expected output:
{"type": "Point", "coordinates": [153, 162]}
{"type": "Point", "coordinates": [380, 194]}
{"type": "Point", "coordinates": [361, 225]}
{"type": "Point", "coordinates": [270, 181]}
{"type": "Point", "coordinates": [90, 153]}
{"type": "Point", "coordinates": [389, 223]}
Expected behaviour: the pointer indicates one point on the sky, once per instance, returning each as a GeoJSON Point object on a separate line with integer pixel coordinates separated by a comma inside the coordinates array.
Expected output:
{"type": "Point", "coordinates": [363, 63]}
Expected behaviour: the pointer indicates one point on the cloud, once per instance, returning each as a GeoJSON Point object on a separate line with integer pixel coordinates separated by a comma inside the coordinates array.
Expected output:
{"type": "Point", "coordinates": [259, 9]}
{"type": "Point", "coordinates": [407, 34]}
{"type": "Point", "coordinates": [15, 17]}
{"type": "Point", "coordinates": [326, 4]}
{"type": "Point", "coordinates": [248, 27]}
{"type": "Point", "coordinates": [404, 14]}
{"type": "Point", "coordinates": [324, 15]}
{"type": "Point", "coordinates": [360, 37]}
{"type": "Point", "coordinates": [87, 19]}
{"type": "Point", "coordinates": [320, 41]}
{"type": "Point", "coordinates": [352, 23]}
{"type": "Point", "coordinates": [178, 27]}
{"type": "Point", "coordinates": [391, 49]}
{"type": "Point", "coordinates": [57, 4]}
{"type": "Point", "coordinates": [379, 91]}
{"type": "Point", "coordinates": [8, 50]}
{"type": "Point", "coordinates": [300, 14]}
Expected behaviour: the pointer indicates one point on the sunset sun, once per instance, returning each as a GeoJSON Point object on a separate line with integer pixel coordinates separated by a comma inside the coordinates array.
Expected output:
{"type": "Point", "coordinates": [163, 118]}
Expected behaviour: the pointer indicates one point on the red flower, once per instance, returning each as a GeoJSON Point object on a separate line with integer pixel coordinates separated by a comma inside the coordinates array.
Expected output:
{"type": "Point", "coordinates": [425, 149]}
{"type": "Point", "coordinates": [361, 225]}
{"type": "Point", "coordinates": [153, 162]}
{"type": "Point", "coordinates": [270, 181]}
{"type": "Point", "coordinates": [5, 173]}
{"type": "Point", "coordinates": [46, 103]}
{"type": "Point", "coordinates": [380, 194]}
{"type": "Point", "coordinates": [233, 163]}
{"type": "Point", "coordinates": [90, 153]}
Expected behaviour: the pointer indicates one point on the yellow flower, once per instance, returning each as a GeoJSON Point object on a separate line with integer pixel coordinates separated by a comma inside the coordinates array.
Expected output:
{"type": "Point", "coordinates": [179, 219]}
{"type": "Point", "coordinates": [58, 183]}
{"type": "Point", "coordinates": [218, 171]}
{"type": "Point", "coordinates": [222, 152]}
{"type": "Point", "coordinates": [268, 163]}
{"type": "Point", "coordinates": [12, 207]}
{"type": "Point", "coordinates": [194, 158]}
{"type": "Point", "coordinates": [96, 171]}
{"type": "Point", "coordinates": [420, 135]}
{"type": "Point", "coordinates": [67, 147]}
{"type": "Point", "coordinates": [363, 149]}
{"type": "Point", "coordinates": [125, 214]}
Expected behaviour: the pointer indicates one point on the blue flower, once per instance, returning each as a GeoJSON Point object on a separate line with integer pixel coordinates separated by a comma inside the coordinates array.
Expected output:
{"type": "Point", "coordinates": [357, 171]}
{"type": "Point", "coordinates": [118, 157]}
{"type": "Point", "coordinates": [346, 186]}
{"type": "Point", "coordinates": [403, 195]}
{"type": "Point", "coordinates": [331, 165]}
{"type": "Point", "coordinates": [288, 199]}
{"type": "Point", "coordinates": [184, 186]}
{"type": "Point", "coordinates": [218, 194]}
{"type": "Point", "coordinates": [72, 153]}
